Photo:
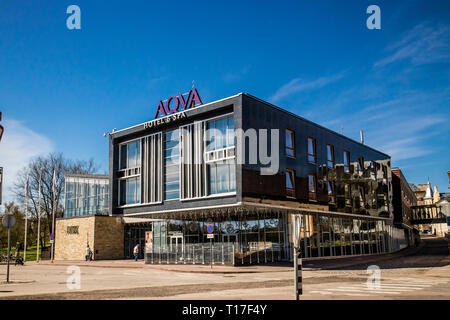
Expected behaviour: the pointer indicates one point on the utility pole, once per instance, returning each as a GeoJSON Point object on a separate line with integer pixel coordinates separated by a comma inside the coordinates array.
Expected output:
{"type": "Point", "coordinates": [39, 219]}
{"type": "Point", "coordinates": [26, 220]}
{"type": "Point", "coordinates": [8, 221]}
{"type": "Point", "coordinates": [53, 212]}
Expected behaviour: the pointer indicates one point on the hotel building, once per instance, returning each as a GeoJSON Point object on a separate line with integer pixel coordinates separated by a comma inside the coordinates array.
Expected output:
{"type": "Point", "coordinates": [196, 191]}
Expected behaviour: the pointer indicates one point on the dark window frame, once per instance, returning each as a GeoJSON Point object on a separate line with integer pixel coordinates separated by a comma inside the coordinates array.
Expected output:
{"type": "Point", "coordinates": [332, 161]}
{"type": "Point", "coordinates": [292, 132]}
{"type": "Point", "coordinates": [361, 164]}
{"type": "Point", "coordinates": [332, 194]}
{"type": "Point", "coordinates": [290, 192]}
{"type": "Point", "coordinates": [314, 154]}
{"type": "Point", "coordinates": [346, 166]}
{"type": "Point", "coordinates": [312, 194]}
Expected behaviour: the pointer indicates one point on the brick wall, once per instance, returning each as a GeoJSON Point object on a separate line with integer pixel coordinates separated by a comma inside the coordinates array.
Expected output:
{"type": "Point", "coordinates": [104, 234]}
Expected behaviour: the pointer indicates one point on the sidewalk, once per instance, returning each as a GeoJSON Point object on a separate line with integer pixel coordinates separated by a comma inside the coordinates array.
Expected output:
{"type": "Point", "coordinates": [308, 265]}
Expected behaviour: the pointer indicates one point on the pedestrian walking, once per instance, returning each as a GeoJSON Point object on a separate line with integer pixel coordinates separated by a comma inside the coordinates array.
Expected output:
{"type": "Point", "coordinates": [136, 252]}
{"type": "Point", "coordinates": [17, 258]}
{"type": "Point", "coordinates": [88, 252]}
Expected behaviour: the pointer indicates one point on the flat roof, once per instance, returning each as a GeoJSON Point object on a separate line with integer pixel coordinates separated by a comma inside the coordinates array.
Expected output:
{"type": "Point", "coordinates": [87, 176]}
{"type": "Point", "coordinates": [270, 105]}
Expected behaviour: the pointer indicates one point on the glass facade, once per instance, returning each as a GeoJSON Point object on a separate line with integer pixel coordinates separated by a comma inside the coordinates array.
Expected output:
{"type": "Point", "coordinates": [252, 238]}
{"type": "Point", "coordinates": [193, 161]}
{"type": "Point", "coordinates": [262, 237]}
{"type": "Point", "coordinates": [221, 167]}
{"type": "Point", "coordinates": [130, 165]}
{"type": "Point", "coordinates": [86, 196]}
{"type": "Point", "coordinates": [172, 165]}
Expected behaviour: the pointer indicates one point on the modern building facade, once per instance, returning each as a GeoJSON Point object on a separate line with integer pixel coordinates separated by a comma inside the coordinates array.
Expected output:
{"type": "Point", "coordinates": [403, 201]}
{"type": "Point", "coordinates": [220, 183]}
{"type": "Point", "coordinates": [428, 215]}
{"type": "Point", "coordinates": [86, 195]}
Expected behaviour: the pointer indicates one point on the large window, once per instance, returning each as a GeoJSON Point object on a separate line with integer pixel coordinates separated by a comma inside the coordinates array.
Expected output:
{"type": "Point", "coordinates": [130, 191]}
{"type": "Point", "coordinates": [312, 187]}
{"type": "Point", "coordinates": [330, 156]}
{"type": "Point", "coordinates": [130, 155]}
{"type": "Point", "coordinates": [85, 196]}
{"type": "Point", "coordinates": [311, 150]}
{"type": "Point", "coordinates": [172, 165]}
{"type": "Point", "coordinates": [220, 155]}
{"type": "Point", "coordinates": [290, 143]}
{"type": "Point", "coordinates": [346, 161]}
{"type": "Point", "coordinates": [130, 163]}
{"type": "Point", "coordinates": [290, 183]}
{"type": "Point", "coordinates": [331, 192]}
{"type": "Point", "coordinates": [360, 164]}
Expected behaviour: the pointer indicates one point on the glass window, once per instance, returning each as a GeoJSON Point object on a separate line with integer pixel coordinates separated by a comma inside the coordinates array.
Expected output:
{"type": "Point", "coordinates": [362, 197]}
{"type": "Point", "coordinates": [130, 191]}
{"type": "Point", "coordinates": [221, 172]}
{"type": "Point", "coordinates": [171, 165]}
{"type": "Point", "coordinates": [290, 179]}
{"type": "Point", "coordinates": [331, 191]}
{"type": "Point", "coordinates": [346, 161]}
{"type": "Point", "coordinates": [222, 177]}
{"type": "Point", "coordinates": [360, 164]}
{"type": "Point", "coordinates": [130, 155]}
{"type": "Point", "coordinates": [220, 133]}
{"type": "Point", "coordinates": [330, 156]}
{"type": "Point", "coordinates": [311, 150]}
{"type": "Point", "coordinates": [230, 131]}
{"type": "Point", "coordinates": [290, 143]}
{"type": "Point", "coordinates": [312, 183]}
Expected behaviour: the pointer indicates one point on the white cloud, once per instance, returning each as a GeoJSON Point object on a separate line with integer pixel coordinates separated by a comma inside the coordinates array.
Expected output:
{"type": "Point", "coordinates": [18, 146]}
{"type": "Point", "coordinates": [422, 45]}
{"type": "Point", "coordinates": [297, 85]}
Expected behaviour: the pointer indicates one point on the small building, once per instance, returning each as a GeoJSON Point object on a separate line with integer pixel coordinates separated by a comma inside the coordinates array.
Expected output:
{"type": "Point", "coordinates": [221, 182]}
{"type": "Point", "coordinates": [404, 199]}
{"type": "Point", "coordinates": [428, 215]}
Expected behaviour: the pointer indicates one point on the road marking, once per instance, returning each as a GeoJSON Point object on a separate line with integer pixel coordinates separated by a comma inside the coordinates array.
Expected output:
{"type": "Point", "coordinates": [388, 287]}
{"type": "Point", "coordinates": [377, 289]}
{"type": "Point", "coordinates": [366, 290]}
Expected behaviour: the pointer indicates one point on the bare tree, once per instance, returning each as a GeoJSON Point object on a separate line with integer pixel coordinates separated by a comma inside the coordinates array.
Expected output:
{"type": "Point", "coordinates": [42, 168]}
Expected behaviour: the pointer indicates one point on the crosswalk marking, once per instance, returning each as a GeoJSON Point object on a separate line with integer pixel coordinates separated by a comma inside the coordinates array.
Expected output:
{"type": "Point", "coordinates": [388, 287]}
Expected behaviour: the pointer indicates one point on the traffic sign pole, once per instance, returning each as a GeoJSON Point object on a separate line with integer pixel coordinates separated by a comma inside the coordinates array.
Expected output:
{"type": "Point", "coordinates": [9, 253]}
{"type": "Point", "coordinates": [8, 221]}
{"type": "Point", "coordinates": [210, 230]}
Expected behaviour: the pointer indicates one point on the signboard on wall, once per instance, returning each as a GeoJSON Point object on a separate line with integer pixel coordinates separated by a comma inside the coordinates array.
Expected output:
{"type": "Point", "coordinates": [148, 242]}
{"type": "Point", "coordinates": [178, 103]}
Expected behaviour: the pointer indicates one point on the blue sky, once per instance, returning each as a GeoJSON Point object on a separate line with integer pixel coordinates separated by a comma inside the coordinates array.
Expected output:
{"type": "Point", "coordinates": [61, 89]}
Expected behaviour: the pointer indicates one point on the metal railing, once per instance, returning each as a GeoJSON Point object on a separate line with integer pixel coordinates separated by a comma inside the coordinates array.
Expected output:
{"type": "Point", "coordinates": [192, 253]}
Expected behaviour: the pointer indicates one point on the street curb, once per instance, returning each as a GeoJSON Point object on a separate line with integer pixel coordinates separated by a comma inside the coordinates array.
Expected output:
{"type": "Point", "coordinates": [376, 258]}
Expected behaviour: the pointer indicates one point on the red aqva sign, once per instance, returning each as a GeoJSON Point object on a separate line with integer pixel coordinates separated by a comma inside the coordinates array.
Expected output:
{"type": "Point", "coordinates": [174, 103]}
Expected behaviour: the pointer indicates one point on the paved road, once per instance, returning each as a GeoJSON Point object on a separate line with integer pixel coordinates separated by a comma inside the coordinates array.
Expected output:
{"type": "Point", "coordinates": [425, 275]}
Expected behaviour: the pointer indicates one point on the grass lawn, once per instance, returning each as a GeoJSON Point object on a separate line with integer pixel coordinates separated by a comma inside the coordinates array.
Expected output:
{"type": "Point", "coordinates": [31, 252]}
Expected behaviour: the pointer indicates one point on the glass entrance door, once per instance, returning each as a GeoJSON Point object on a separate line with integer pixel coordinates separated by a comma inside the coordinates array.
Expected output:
{"type": "Point", "coordinates": [229, 238]}
{"type": "Point", "coordinates": [176, 243]}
